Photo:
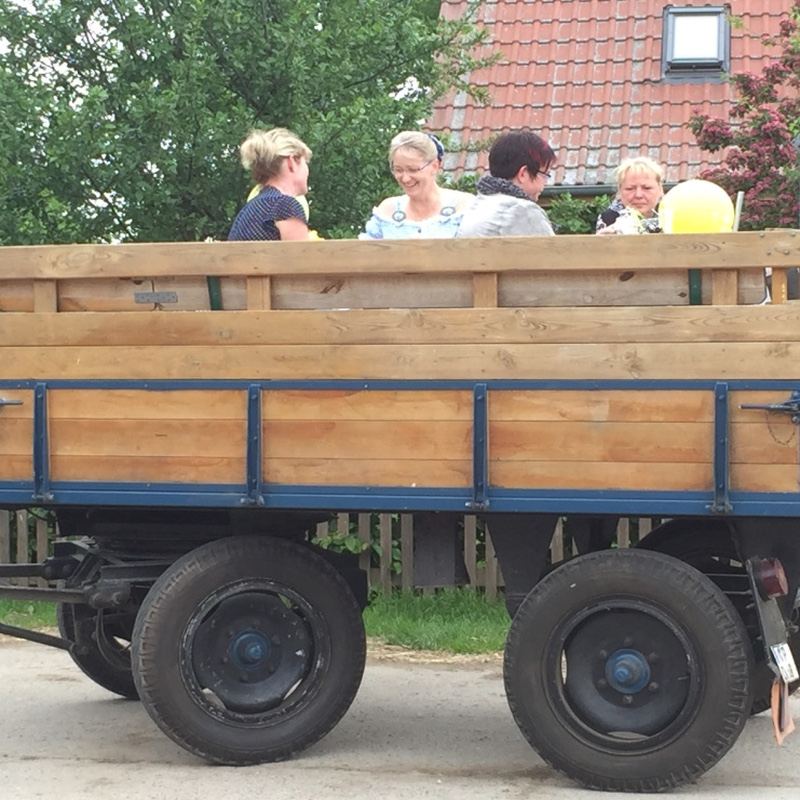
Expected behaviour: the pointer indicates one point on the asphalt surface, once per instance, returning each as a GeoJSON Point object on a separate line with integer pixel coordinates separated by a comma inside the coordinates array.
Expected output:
{"type": "Point", "coordinates": [415, 731]}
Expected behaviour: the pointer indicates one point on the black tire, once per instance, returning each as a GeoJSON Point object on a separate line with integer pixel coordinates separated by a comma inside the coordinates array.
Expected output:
{"type": "Point", "coordinates": [628, 671]}
{"type": "Point", "coordinates": [101, 651]}
{"type": "Point", "coordinates": [248, 650]}
{"type": "Point", "coordinates": [708, 546]}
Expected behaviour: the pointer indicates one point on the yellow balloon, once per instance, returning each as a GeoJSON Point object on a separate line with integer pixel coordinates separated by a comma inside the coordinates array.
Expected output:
{"type": "Point", "coordinates": [696, 206]}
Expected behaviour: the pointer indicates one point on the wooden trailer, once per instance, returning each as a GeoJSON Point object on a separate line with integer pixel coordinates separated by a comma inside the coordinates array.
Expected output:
{"type": "Point", "coordinates": [191, 411]}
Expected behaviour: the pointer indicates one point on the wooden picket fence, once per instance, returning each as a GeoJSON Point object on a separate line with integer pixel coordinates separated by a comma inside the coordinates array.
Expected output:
{"type": "Point", "coordinates": [483, 573]}
{"type": "Point", "coordinates": [386, 571]}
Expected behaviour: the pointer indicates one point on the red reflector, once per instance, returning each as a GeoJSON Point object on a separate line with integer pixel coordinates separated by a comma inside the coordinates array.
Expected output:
{"type": "Point", "coordinates": [771, 579]}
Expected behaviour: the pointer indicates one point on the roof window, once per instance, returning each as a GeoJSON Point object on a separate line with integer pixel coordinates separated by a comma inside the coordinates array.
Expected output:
{"type": "Point", "coordinates": [696, 43]}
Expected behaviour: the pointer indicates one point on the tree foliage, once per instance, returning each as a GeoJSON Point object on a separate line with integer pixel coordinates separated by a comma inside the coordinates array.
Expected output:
{"type": "Point", "coordinates": [761, 160]}
{"type": "Point", "coordinates": [122, 118]}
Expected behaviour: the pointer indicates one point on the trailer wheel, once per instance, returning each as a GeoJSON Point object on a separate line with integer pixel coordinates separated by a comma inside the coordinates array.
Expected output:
{"type": "Point", "coordinates": [101, 646]}
{"type": "Point", "coordinates": [248, 649]}
{"type": "Point", "coordinates": [707, 546]}
{"type": "Point", "coordinates": [628, 671]}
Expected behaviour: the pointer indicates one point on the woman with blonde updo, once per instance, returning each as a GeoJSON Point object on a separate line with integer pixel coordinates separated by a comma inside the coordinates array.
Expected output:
{"type": "Point", "coordinates": [278, 161]}
{"type": "Point", "coordinates": [425, 209]}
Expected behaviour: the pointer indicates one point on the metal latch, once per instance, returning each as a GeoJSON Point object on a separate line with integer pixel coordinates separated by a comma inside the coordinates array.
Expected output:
{"type": "Point", "coordinates": [155, 298]}
{"type": "Point", "coordinates": [4, 402]}
{"type": "Point", "coordinates": [791, 406]}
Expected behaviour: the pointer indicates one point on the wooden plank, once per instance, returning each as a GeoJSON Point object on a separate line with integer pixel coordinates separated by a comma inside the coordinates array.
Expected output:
{"type": "Point", "coordinates": [608, 442]}
{"type": "Point", "coordinates": [15, 467]}
{"type": "Point", "coordinates": [408, 326]}
{"type": "Point", "coordinates": [16, 438]}
{"type": "Point", "coordinates": [485, 290]}
{"type": "Point", "coordinates": [764, 478]}
{"type": "Point", "coordinates": [499, 254]}
{"type": "Point", "coordinates": [147, 404]}
{"type": "Point", "coordinates": [357, 404]}
{"type": "Point", "coordinates": [22, 556]}
{"type": "Point", "coordinates": [724, 287]}
{"type": "Point", "coordinates": [601, 405]}
{"type": "Point", "coordinates": [634, 361]}
{"type": "Point", "coordinates": [145, 469]}
{"type": "Point", "coordinates": [779, 290]}
{"type": "Point", "coordinates": [595, 475]}
{"type": "Point", "coordinates": [385, 537]}
{"type": "Point", "coordinates": [492, 572]}
{"type": "Point", "coordinates": [5, 536]}
{"type": "Point", "coordinates": [345, 439]}
{"type": "Point", "coordinates": [349, 471]}
{"type": "Point", "coordinates": [365, 535]}
{"type": "Point", "coordinates": [45, 296]}
{"type": "Point", "coordinates": [407, 551]}
{"type": "Point", "coordinates": [765, 444]}
{"type": "Point", "coordinates": [132, 437]}
{"type": "Point", "coordinates": [42, 545]}
{"type": "Point", "coordinates": [372, 291]}
{"type": "Point", "coordinates": [439, 290]}
{"type": "Point", "coordinates": [259, 293]}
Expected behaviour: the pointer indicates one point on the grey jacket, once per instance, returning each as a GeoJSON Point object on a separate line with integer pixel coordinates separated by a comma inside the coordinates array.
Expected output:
{"type": "Point", "coordinates": [503, 215]}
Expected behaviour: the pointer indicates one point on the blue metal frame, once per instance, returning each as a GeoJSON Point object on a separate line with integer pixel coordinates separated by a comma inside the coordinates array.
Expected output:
{"type": "Point", "coordinates": [480, 448]}
{"type": "Point", "coordinates": [479, 497]}
{"type": "Point", "coordinates": [41, 450]}
{"type": "Point", "coordinates": [255, 479]}
{"type": "Point", "coordinates": [721, 504]}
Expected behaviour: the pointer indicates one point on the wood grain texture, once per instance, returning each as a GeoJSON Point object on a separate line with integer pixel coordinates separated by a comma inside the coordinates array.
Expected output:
{"type": "Point", "coordinates": [588, 475]}
{"type": "Point", "coordinates": [633, 361]}
{"type": "Point", "coordinates": [768, 323]}
{"type": "Point", "coordinates": [498, 254]}
{"type": "Point", "coordinates": [385, 472]}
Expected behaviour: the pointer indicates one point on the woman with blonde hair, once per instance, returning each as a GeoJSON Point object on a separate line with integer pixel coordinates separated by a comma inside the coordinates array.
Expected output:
{"type": "Point", "coordinates": [640, 187]}
{"type": "Point", "coordinates": [278, 162]}
{"type": "Point", "coordinates": [425, 209]}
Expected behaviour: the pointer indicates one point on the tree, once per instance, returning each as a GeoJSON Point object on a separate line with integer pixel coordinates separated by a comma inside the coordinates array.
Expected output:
{"type": "Point", "coordinates": [761, 160]}
{"type": "Point", "coordinates": [122, 118]}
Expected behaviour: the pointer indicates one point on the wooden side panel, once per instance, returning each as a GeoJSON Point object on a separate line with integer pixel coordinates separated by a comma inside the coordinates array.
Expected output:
{"type": "Point", "coordinates": [139, 435]}
{"type": "Point", "coordinates": [374, 438]}
{"type": "Point", "coordinates": [765, 445]}
{"type": "Point", "coordinates": [16, 436]}
{"type": "Point", "coordinates": [449, 290]}
{"type": "Point", "coordinates": [592, 361]}
{"type": "Point", "coordinates": [634, 440]}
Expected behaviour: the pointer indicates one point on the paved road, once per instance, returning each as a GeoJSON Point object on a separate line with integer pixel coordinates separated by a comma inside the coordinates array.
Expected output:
{"type": "Point", "coordinates": [415, 731]}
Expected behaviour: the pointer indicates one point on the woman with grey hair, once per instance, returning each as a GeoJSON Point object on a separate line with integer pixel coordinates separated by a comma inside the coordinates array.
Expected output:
{"type": "Point", "coordinates": [425, 210]}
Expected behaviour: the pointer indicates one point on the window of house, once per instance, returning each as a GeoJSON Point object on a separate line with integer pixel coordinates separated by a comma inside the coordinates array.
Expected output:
{"type": "Point", "coordinates": [696, 42]}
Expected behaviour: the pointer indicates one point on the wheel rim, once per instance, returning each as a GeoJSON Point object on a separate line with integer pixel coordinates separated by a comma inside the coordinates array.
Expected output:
{"type": "Point", "coordinates": [623, 675]}
{"type": "Point", "coordinates": [255, 651]}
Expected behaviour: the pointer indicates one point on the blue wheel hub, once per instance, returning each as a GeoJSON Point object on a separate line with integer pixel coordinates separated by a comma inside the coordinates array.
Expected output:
{"type": "Point", "coordinates": [627, 671]}
{"type": "Point", "coordinates": [249, 650]}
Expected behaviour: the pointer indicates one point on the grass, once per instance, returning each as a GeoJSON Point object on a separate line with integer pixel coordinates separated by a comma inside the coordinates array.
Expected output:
{"type": "Point", "coordinates": [28, 614]}
{"type": "Point", "coordinates": [451, 620]}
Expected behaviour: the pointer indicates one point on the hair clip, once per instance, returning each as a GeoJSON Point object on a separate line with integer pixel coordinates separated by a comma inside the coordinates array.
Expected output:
{"type": "Point", "coordinates": [439, 146]}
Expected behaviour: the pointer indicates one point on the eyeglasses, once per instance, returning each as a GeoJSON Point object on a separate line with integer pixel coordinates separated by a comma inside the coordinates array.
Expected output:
{"type": "Point", "coordinates": [547, 175]}
{"type": "Point", "coordinates": [398, 171]}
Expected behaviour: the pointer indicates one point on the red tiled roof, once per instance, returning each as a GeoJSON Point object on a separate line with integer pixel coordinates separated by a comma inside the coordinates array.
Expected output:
{"type": "Point", "coordinates": [586, 75]}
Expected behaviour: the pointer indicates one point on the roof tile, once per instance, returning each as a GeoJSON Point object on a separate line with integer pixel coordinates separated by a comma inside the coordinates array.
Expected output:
{"type": "Point", "coordinates": [587, 75]}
